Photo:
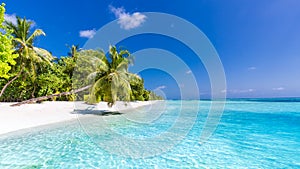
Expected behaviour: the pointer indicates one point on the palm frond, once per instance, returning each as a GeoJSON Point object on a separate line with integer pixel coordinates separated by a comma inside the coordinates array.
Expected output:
{"type": "Point", "coordinates": [122, 66]}
{"type": "Point", "coordinates": [101, 65]}
{"type": "Point", "coordinates": [18, 40]}
{"type": "Point", "coordinates": [36, 33]}
{"type": "Point", "coordinates": [92, 76]}
{"type": "Point", "coordinates": [98, 85]}
{"type": "Point", "coordinates": [133, 77]}
{"type": "Point", "coordinates": [44, 55]}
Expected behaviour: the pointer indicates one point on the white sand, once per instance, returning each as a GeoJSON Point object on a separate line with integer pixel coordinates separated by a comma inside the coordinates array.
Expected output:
{"type": "Point", "coordinates": [32, 115]}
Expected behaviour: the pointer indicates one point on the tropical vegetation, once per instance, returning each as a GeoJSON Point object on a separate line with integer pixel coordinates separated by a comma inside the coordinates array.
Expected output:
{"type": "Point", "coordinates": [7, 57]}
{"type": "Point", "coordinates": [28, 72]}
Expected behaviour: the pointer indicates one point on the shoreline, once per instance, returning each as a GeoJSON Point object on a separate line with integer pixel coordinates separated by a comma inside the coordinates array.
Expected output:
{"type": "Point", "coordinates": [49, 112]}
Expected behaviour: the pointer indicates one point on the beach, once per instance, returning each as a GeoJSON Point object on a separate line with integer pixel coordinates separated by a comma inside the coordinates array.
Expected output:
{"type": "Point", "coordinates": [33, 115]}
{"type": "Point", "coordinates": [256, 134]}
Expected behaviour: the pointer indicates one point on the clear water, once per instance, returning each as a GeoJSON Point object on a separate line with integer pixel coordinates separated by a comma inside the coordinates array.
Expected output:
{"type": "Point", "coordinates": [251, 134]}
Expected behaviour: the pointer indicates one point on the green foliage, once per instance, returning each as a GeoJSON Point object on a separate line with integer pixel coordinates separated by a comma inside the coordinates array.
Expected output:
{"type": "Point", "coordinates": [7, 58]}
{"type": "Point", "coordinates": [52, 81]}
{"type": "Point", "coordinates": [2, 11]}
{"type": "Point", "coordinates": [146, 95]}
{"type": "Point", "coordinates": [154, 96]}
{"type": "Point", "coordinates": [19, 90]}
{"type": "Point", "coordinates": [31, 60]}
{"type": "Point", "coordinates": [111, 78]}
{"type": "Point", "coordinates": [137, 86]}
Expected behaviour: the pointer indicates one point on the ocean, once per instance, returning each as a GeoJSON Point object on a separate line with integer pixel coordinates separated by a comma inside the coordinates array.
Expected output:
{"type": "Point", "coordinates": [249, 133]}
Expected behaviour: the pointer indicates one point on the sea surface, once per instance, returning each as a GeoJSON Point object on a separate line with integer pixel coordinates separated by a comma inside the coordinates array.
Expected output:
{"type": "Point", "coordinates": [250, 133]}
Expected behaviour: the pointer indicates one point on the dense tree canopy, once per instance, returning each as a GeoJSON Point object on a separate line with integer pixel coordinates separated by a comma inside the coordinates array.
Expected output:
{"type": "Point", "coordinates": [7, 58]}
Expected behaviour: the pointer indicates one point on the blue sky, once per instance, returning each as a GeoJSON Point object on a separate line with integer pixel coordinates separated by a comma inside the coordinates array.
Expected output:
{"type": "Point", "coordinates": [258, 42]}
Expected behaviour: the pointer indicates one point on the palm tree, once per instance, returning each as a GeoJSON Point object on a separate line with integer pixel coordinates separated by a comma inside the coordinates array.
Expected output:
{"type": "Point", "coordinates": [112, 79]}
{"type": "Point", "coordinates": [74, 49]}
{"type": "Point", "coordinates": [30, 57]}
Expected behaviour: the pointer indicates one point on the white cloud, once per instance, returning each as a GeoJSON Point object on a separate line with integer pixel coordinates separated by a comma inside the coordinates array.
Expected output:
{"type": "Point", "coordinates": [224, 91]}
{"type": "Point", "coordinates": [251, 90]}
{"type": "Point", "coordinates": [33, 23]}
{"type": "Point", "coordinates": [278, 88]}
{"type": "Point", "coordinates": [87, 33]}
{"type": "Point", "coordinates": [238, 91]}
{"type": "Point", "coordinates": [128, 21]}
{"type": "Point", "coordinates": [242, 91]}
{"type": "Point", "coordinates": [188, 72]}
{"type": "Point", "coordinates": [13, 19]}
{"type": "Point", "coordinates": [252, 68]}
{"type": "Point", "coordinates": [160, 87]}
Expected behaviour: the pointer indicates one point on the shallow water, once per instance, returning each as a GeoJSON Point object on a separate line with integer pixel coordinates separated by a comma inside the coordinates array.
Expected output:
{"type": "Point", "coordinates": [250, 134]}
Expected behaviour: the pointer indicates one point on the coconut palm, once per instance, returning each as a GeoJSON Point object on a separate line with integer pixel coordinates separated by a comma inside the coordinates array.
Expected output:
{"type": "Point", "coordinates": [112, 79]}
{"type": "Point", "coordinates": [74, 49]}
{"type": "Point", "coordinates": [30, 57]}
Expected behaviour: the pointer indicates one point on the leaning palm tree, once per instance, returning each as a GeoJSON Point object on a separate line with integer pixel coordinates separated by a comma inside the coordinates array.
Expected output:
{"type": "Point", "coordinates": [107, 78]}
{"type": "Point", "coordinates": [112, 79]}
{"type": "Point", "coordinates": [30, 57]}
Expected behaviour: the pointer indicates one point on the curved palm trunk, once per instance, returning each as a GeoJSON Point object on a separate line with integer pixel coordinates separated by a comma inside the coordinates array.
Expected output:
{"type": "Point", "coordinates": [34, 88]}
{"type": "Point", "coordinates": [33, 100]}
{"type": "Point", "coordinates": [9, 82]}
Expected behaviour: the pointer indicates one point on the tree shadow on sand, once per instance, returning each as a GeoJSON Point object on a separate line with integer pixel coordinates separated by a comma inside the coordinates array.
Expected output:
{"type": "Point", "coordinates": [96, 112]}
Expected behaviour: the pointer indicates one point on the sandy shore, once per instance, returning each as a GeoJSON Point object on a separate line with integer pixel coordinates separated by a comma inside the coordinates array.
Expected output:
{"type": "Point", "coordinates": [32, 115]}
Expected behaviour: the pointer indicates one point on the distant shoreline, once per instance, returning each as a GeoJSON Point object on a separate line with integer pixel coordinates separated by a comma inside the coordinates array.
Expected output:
{"type": "Point", "coordinates": [275, 99]}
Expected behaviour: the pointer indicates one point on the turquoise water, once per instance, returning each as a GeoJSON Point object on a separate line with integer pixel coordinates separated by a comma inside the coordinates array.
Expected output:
{"type": "Point", "coordinates": [250, 134]}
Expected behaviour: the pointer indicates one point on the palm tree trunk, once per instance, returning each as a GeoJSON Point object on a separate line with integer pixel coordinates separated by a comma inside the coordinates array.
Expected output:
{"type": "Point", "coordinates": [34, 88]}
{"type": "Point", "coordinates": [33, 100]}
{"type": "Point", "coordinates": [8, 83]}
